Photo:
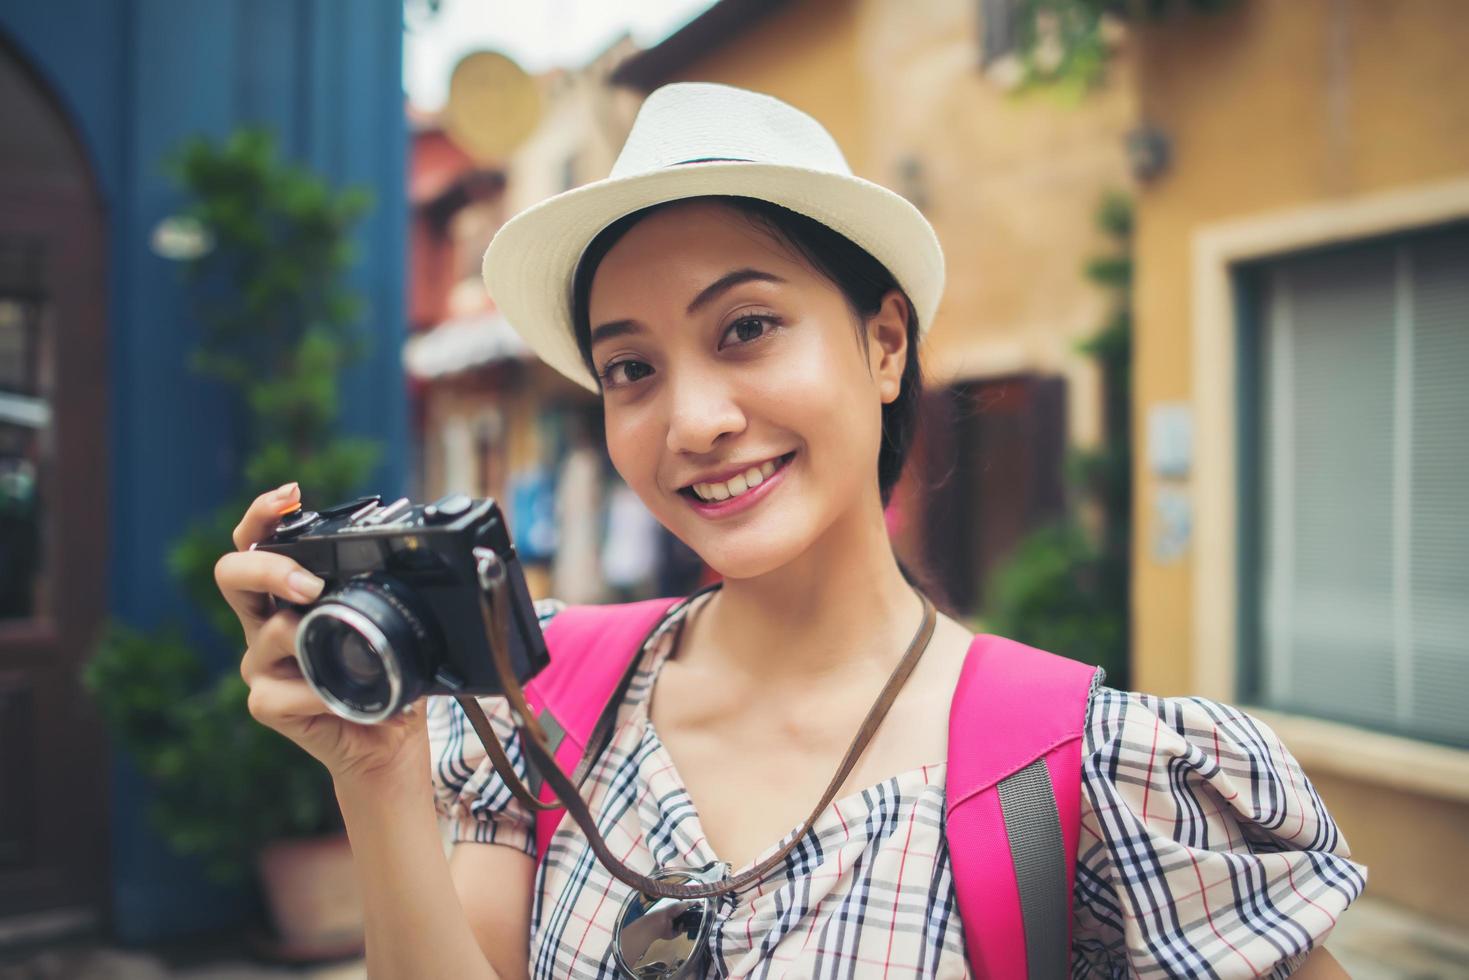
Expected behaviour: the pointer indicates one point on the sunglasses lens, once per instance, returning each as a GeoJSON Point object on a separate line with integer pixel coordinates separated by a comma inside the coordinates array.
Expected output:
{"type": "Point", "coordinates": [657, 937]}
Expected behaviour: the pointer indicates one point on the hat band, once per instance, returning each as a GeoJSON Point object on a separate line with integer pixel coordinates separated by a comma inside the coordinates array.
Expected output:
{"type": "Point", "coordinates": [712, 160]}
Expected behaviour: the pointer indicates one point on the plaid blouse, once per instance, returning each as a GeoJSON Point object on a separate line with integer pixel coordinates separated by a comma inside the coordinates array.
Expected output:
{"type": "Point", "coordinates": [1204, 851]}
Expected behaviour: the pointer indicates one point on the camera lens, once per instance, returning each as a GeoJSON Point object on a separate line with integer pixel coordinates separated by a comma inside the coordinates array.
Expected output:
{"type": "Point", "coordinates": [347, 664]}
{"type": "Point", "coordinates": [359, 664]}
{"type": "Point", "coordinates": [363, 648]}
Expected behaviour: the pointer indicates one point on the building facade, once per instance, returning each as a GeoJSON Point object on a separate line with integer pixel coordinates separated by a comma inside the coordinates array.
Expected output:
{"type": "Point", "coordinates": [1302, 339]}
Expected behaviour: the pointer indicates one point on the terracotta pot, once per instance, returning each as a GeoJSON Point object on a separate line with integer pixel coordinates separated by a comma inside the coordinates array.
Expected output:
{"type": "Point", "coordinates": [311, 892]}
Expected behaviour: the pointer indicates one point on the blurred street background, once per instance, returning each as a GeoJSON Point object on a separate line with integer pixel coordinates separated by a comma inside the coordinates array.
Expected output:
{"type": "Point", "coordinates": [1197, 406]}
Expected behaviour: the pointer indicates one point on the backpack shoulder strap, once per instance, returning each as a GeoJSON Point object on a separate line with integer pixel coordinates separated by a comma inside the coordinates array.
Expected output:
{"type": "Point", "coordinates": [1013, 795]}
{"type": "Point", "coordinates": [593, 650]}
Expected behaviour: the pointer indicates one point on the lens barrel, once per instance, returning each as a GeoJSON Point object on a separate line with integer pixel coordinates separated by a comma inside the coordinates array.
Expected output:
{"type": "Point", "coordinates": [365, 648]}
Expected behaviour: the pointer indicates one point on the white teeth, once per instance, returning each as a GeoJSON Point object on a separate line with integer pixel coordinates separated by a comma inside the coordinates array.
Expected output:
{"type": "Point", "coordinates": [737, 484]}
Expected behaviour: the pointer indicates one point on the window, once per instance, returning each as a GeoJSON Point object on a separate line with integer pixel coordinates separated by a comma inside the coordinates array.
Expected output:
{"type": "Point", "coordinates": [26, 434]}
{"type": "Point", "coordinates": [1355, 479]}
{"type": "Point", "coordinates": [998, 29]}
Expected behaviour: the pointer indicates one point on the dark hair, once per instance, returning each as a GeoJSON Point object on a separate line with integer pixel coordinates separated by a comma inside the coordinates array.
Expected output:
{"type": "Point", "coordinates": [862, 279]}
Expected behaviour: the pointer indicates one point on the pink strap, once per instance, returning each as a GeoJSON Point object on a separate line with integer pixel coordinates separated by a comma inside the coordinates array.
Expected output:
{"type": "Point", "coordinates": [591, 648]}
{"type": "Point", "coordinates": [1014, 704]}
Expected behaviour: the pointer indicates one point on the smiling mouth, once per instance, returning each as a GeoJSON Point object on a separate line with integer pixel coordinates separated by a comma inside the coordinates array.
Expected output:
{"type": "Point", "coordinates": [710, 493]}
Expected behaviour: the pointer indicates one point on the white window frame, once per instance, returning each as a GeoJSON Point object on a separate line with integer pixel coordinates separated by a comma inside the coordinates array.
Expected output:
{"type": "Point", "coordinates": [1216, 250]}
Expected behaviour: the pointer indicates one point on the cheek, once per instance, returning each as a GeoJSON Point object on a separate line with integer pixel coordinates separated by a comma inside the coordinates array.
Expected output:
{"type": "Point", "coordinates": [634, 445]}
{"type": "Point", "coordinates": [832, 401]}
{"type": "Point", "coordinates": [626, 449]}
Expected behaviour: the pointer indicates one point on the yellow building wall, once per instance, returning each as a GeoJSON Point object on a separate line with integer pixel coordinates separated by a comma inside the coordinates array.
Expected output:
{"type": "Point", "coordinates": [1010, 183]}
{"type": "Point", "coordinates": [1272, 106]}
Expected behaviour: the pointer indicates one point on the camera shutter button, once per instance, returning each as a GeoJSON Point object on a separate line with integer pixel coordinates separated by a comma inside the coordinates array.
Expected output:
{"type": "Point", "coordinates": [295, 521]}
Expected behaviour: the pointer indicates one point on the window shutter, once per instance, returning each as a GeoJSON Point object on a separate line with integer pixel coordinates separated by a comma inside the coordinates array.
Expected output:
{"type": "Point", "coordinates": [1439, 489]}
{"type": "Point", "coordinates": [1364, 464]}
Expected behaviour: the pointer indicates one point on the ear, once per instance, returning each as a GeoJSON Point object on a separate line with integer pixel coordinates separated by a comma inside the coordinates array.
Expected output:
{"type": "Point", "coordinates": [887, 345]}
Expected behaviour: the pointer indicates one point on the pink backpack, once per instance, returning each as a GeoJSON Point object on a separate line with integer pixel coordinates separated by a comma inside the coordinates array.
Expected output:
{"type": "Point", "coordinates": [1013, 795]}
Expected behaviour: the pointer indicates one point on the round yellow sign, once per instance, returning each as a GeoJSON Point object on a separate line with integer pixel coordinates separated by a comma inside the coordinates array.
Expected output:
{"type": "Point", "coordinates": [493, 106]}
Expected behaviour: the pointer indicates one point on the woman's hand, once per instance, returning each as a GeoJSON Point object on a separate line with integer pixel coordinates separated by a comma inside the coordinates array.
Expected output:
{"type": "Point", "coordinates": [395, 750]}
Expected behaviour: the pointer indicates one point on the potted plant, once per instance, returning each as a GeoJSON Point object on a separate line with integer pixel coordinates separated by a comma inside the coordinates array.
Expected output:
{"type": "Point", "coordinates": [268, 247]}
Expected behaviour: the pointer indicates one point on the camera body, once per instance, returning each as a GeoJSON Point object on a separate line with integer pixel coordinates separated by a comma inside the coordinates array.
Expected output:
{"type": "Point", "coordinates": [402, 614]}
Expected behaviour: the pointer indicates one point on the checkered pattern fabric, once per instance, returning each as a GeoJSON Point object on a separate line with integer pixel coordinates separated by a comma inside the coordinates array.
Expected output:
{"type": "Point", "coordinates": [1204, 851]}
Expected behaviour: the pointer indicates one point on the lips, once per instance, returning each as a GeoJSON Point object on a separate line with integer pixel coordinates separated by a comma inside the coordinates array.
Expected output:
{"type": "Point", "coordinates": [740, 487]}
{"type": "Point", "coordinates": [732, 483]}
{"type": "Point", "coordinates": [739, 483]}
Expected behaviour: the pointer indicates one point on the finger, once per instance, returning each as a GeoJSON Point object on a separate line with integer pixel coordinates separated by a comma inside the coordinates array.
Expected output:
{"type": "Point", "coordinates": [278, 699]}
{"type": "Point", "coordinates": [264, 513]}
{"type": "Point", "coordinates": [273, 654]}
{"type": "Point", "coordinates": [245, 578]}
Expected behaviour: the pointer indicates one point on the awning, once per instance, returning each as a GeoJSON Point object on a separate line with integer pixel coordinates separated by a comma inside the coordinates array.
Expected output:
{"type": "Point", "coordinates": [461, 344]}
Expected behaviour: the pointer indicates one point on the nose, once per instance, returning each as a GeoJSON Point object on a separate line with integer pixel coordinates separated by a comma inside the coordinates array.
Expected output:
{"type": "Point", "coordinates": [702, 411]}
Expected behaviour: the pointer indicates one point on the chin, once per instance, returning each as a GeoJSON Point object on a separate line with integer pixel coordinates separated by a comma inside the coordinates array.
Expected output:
{"type": "Point", "coordinates": [775, 534]}
{"type": "Point", "coordinates": [747, 563]}
{"type": "Point", "coordinates": [750, 552]}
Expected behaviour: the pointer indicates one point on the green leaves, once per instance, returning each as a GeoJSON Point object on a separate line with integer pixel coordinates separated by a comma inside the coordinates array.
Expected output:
{"type": "Point", "coordinates": [1063, 44]}
{"type": "Point", "coordinates": [278, 324]}
{"type": "Point", "coordinates": [137, 678]}
{"type": "Point", "coordinates": [330, 473]}
{"type": "Point", "coordinates": [1050, 594]}
{"type": "Point", "coordinates": [1066, 588]}
{"type": "Point", "coordinates": [282, 242]}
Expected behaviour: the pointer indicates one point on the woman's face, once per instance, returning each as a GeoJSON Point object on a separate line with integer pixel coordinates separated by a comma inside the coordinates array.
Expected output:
{"type": "Point", "coordinates": [740, 405]}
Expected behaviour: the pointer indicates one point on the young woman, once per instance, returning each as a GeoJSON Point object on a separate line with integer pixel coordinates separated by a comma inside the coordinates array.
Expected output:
{"type": "Point", "coordinates": [750, 313]}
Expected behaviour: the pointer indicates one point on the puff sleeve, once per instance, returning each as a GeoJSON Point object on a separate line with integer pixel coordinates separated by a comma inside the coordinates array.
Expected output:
{"type": "Point", "coordinates": [469, 796]}
{"type": "Point", "coordinates": [1204, 849]}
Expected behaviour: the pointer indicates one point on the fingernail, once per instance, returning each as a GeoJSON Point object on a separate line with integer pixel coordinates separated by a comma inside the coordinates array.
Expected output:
{"type": "Point", "coordinates": [305, 585]}
{"type": "Point", "coordinates": [286, 490]}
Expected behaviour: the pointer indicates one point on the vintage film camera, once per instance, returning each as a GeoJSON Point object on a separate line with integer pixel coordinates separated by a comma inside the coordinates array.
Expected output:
{"type": "Point", "coordinates": [410, 604]}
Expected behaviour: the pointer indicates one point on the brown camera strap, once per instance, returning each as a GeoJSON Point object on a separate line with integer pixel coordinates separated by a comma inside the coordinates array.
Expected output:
{"type": "Point", "coordinates": [600, 734]}
{"type": "Point", "coordinates": [543, 758]}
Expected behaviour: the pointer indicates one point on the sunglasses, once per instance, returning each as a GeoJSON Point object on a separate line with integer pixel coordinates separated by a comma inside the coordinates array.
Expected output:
{"type": "Point", "coordinates": [666, 938]}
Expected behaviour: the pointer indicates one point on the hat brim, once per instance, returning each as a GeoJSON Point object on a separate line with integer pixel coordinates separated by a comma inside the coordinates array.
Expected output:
{"type": "Point", "coordinates": [529, 265]}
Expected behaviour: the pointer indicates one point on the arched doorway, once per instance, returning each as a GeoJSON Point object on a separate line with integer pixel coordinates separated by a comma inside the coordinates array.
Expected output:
{"type": "Point", "coordinates": [53, 514]}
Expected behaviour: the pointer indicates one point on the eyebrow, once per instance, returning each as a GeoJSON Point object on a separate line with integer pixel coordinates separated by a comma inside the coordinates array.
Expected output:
{"type": "Point", "coordinates": [612, 330]}
{"type": "Point", "coordinates": [707, 295]}
{"type": "Point", "coordinates": [728, 281]}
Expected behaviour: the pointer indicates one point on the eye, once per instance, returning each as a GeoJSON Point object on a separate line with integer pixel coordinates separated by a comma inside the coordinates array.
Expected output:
{"type": "Point", "coordinates": [748, 329]}
{"type": "Point", "coordinates": [626, 372]}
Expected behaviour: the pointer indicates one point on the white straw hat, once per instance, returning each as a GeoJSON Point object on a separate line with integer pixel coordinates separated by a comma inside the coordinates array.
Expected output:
{"type": "Point", "coordinates": [692, 139]}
